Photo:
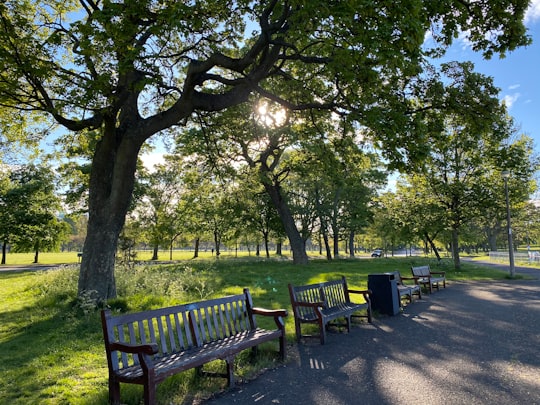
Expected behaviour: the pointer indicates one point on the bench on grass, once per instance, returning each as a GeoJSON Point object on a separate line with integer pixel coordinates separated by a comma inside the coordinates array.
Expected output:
{"type": "Point", "coordinates": [147, 347]}
{"type": "Point", "coordinates": [424, 276]}
{"type": "Point", "coordinates": [406, 290]}
{"type": "Point", "coordinates": [324, 303]}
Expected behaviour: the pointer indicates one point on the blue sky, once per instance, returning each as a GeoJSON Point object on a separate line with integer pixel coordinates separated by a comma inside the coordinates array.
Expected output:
{"type": "Point", "coordinates": [517, 75]}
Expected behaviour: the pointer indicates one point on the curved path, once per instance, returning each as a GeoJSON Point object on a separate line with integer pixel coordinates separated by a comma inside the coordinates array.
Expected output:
{"type": "Point", "coordinates": [471, 343]}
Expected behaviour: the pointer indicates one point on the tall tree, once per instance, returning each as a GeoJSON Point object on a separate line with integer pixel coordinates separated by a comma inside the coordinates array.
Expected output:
{"type": "Point", "coordinates": [29, 210]}
{"type": "Point", "coordinates": [117, 73]}
{"type": "Point", "coordinates": [156, 211]}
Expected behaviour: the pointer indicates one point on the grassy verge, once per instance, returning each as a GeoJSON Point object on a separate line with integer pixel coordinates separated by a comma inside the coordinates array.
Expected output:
{"type": "Point", "coordinates": [52, 350]}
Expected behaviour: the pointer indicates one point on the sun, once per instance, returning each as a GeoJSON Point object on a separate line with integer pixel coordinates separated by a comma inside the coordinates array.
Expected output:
{"type": "Point", "coordinates": [271, 115]}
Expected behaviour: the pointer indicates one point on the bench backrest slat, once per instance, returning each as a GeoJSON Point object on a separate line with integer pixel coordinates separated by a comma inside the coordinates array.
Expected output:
{"type": "Point", "coordinates": [171, 334]}
{"type": "Point", "coordinates": [121, 338]}
{"type": "Point", "coordinates": [161, 335]}
{"type": "Point", "coordinates": [183, 330]}
{"type": "Point", "coordinates": [334, 293]}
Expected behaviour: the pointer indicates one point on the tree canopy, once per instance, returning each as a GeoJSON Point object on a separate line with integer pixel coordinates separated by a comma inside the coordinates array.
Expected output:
{"type": "Point", "coordinates": [114, 74]}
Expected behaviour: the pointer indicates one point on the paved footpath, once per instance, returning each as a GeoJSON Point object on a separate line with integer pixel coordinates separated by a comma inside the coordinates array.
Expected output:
{"type": "Point", "coordinates": [471, 343]}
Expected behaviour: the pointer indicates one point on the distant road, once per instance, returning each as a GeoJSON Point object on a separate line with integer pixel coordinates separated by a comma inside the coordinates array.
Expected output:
{"type": "Point", "coordinates": [27, 267]}
{"type": "Point", "coordinates": [529, 271]}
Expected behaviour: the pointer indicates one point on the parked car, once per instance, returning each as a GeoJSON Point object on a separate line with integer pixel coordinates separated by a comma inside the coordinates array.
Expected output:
{"type": "Point", "coordinates": [376, 253]}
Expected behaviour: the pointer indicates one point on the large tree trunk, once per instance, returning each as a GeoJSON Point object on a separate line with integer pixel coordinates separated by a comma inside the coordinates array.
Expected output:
{"type": "Point", "coordinates": [298, 246]}
{"type": "Point", "coordinates": [155, 252]}
{"type": "Point", "coordinates": [111, 186]}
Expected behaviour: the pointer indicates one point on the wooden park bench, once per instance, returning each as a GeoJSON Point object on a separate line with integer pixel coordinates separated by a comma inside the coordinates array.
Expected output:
{"type": "Point", "coordinates": [324, 303]}
{"type": "Point", "coordinates": [424, 276]}
{"type": "Point", "coordinates": [147, 347]}
{"type": "Point", "coordinates": [406, 290]}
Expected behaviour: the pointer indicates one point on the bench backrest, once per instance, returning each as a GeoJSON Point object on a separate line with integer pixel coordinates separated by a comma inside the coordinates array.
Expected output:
{"type": "Point", "coordinates": [420, 271]}
{"type": "Point", "coordinates": [177, 328]}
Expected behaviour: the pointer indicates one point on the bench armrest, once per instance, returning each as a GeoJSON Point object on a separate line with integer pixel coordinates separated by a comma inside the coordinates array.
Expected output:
{"type": "Point", "coordinates": [368, 292]}
{"type": "Point", "coordinates": [365, 293]}
{"type": "Point", "coordinates": [438, 272]}
{"type": "Point", "coordinates": [151, 348]}
{"type": "Point", "coordinates": [270, 312]}
{"type": "Point", "coordinates": [278, 315]}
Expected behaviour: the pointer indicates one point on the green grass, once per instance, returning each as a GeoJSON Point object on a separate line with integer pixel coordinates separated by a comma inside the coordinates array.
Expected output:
{"type": "Point", "coordinates": [141, 255]}
{"type": "Point", "coordinates": [52, 351]}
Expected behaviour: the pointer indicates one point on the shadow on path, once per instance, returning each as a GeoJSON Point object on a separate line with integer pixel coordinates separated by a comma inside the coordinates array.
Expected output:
{"type": "Point", "coordinates": [471, 343]}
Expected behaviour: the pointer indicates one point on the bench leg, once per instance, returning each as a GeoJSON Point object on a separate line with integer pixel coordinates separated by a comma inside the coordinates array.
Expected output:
{"type": "Point", "coordinates": [298, 331]}
{"type": "Point", "coordinates": [150, 392]}
{"type": "Point", "coordinates": [230, 370]}
{"type": "Point", "coordinates": [282, 347]}
{"type": "Point", "coordinates": [322, 328]}
{"type": "Point", "coordinates": [114, 391]}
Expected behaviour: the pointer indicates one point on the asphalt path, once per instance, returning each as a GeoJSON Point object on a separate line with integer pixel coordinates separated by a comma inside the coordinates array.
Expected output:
{"type": "Point", "coordinates": [28, 267]}
{"type": "Point", "coordinates": [471, 343]}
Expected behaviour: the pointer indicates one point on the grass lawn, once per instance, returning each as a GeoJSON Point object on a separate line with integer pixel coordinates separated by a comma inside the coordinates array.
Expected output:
{"type": "Point", "coordinates": [52, 350]}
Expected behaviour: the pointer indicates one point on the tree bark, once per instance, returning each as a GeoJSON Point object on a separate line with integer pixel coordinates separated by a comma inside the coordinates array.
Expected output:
{"type": "Point", "coordinates": [155, 252]}
{"type": "Point", "coordinates": [4, 251]}
{"type": "Point", "coordinates": [433, 247]}
{"type": "Point", "coordinates": [351, 244]}
{"type": "Point", "coordinates": [298, 246]}
{"type": "Point", "coordinates": [335, 231]}
{"type": "Point", "coordinates": [196, 252]}
{"type": "Point", "coordinates": [266, 245]}
{"type": "Point", "coordinates": [111, 185]}
{"type": "Point", "coordinates": [327, 246]}
{"type": "Point", "coordinates": [455, 249]}
{"type": "Point", "coordinates": [217, 242]}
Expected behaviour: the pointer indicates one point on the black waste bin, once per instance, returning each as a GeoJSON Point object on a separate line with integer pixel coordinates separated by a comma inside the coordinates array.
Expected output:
{"type": "Point", "coordinates": [385, 296]}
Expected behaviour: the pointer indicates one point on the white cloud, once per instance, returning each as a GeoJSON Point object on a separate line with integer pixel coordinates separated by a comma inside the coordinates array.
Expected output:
{"type": "Point", "coordinates": [510, 99]}
{"type": "Point", "coordinates": [533, 12]}
{"type": "Point", "coordinates": [514, 86]}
